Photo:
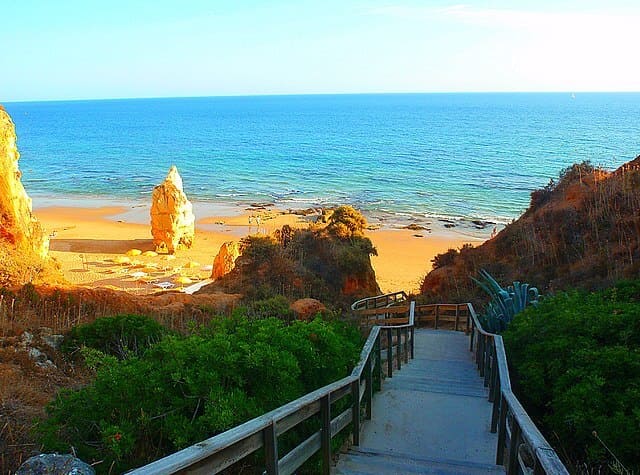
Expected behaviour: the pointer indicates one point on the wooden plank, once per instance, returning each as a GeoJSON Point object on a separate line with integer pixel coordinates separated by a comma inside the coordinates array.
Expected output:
{"type": "Point", "coordinates": [363, 389]}
{"type": "Point", "coordinates": [247, 436]}
{"type": "Point", "coordinates": [384, 310]}
{"type": "Point", "coordinates": [550, 462]}
{"type": "Point", "coordinates": [220, 460]}
{"type": "Point", "coordinates": [355, 411]}
{"type": "Point", "coordinates": [325, 434]}
{"type": "Point", "coordinates": [340, 422]}
{"type": "Point", "coordinates": [367, 349]}
{"type": "Point", "coordinates": [341, 392]}
{"type": "Point", "coordinates": [293, 419]}
{"type": "Point", "coordinates": [299, 455]}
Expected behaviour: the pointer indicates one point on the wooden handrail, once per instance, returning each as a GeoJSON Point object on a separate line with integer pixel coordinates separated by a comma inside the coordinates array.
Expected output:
{"type": "Point", "coordinates": [223, 450]}
{"type": "Point", "coordinates": [522, 435]}
{"type": "Point", "coordinates": [517, 434]}
{"type": "Point", "coordinates": [380, 301]}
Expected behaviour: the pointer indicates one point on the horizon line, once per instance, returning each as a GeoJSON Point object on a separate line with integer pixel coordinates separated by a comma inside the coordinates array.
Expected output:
{"type": "Point", "coordinates": [311, 94]}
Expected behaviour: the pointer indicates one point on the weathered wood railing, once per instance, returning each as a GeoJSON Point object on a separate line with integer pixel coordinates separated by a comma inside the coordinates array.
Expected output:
{"type": "Point", "coordinates": [521, 447]}
{"type": "Point", "coordinates": [223, 450]}
{"type": "Point", "coordinates": [379, 301]}
{"type": "Point", "coordinates": [449, 316]}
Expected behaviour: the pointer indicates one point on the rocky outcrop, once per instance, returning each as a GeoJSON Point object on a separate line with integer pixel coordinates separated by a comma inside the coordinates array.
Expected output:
{"type": "Point", "coordinates": [172, 219]}
{"type": "Point", "coordinates": [54, 464]}
{"type": "Point", "coordinates": [18, 226]}
{"type": "Point", "coordinates": [225, 261]}
{"type": "Point", "coordinates": [307, 308]}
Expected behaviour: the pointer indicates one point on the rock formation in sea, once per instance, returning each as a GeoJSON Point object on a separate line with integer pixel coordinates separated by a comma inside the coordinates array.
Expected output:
{"type": "Point", "coordinates": [172, 219]}
{"type": "Point", "coordinates": [24, 246]}
{"type": "Point", "coordinates": [225, 260]}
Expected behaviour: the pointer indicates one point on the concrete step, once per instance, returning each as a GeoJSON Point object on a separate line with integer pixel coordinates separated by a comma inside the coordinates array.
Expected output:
{"type": "Point", "coordinates": [436, 387]}
{"type": "Point", "coordinates": [360, 461]}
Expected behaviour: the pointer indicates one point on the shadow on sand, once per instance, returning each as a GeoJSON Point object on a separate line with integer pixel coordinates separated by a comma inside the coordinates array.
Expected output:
{"type": "Point", "coordinates": [98, 246]}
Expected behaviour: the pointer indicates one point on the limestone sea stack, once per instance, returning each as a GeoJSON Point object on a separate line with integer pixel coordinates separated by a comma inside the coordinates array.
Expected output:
{"type": "Point", "coordinates": [19, 229]}
{"type": "Point", "coordinates": [225, 261]}
{"type": "Point", "coordinates": [172, 219]}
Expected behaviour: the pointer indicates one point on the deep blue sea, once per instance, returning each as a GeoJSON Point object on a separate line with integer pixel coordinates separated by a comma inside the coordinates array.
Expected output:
{"type": "Point", "coordinates": [402, 156]}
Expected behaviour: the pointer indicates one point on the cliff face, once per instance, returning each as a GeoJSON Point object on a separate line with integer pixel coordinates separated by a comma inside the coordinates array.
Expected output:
{"type": "Point", "coordinates": [18, 226]}
{"type": "Point", "coordinates": [583, 231]}
{"type": "Point", "coordinates": [23, 244]}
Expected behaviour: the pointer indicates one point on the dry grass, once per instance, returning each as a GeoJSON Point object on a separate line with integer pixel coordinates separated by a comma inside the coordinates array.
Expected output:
{"type": "Point", "coordinates": [26, 388]}
{"type": "Point", "coordinates": [582, 232]}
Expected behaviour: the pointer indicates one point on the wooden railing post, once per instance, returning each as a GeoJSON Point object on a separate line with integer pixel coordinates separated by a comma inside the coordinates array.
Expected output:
{"type": "Point", "coordinates": [379, 356]}
{"type": "Point", "coordinates": [271, 449]}
{"type": "Point", "coordinates": [325, 435]}
{"type": "Point", "coordinates": [457, 317]}
{"type": "Point", "coordinates": [502, 431]}
{"type": "Point", "coordinates": [368, 396]}
{"type": "Point", "coordinates": [488, 353]}
{"type": "Point", "coordinates": [413, 348]}
{"type": "Point", "coordinates": [406, 344]}
{"type": "Point", "coordinates": [514, 444]}
{"type": "Point", "coordinates": [389, 353]}
{"type": "Point", "coordinates": [355, 410]}
{"type": "Point", "coordinates": [399, 348]}
{"type": "Point", "coordinates": [493, 379]}
{"type": "Point", "coordinates": [495, 410]}
{"type": "Point", "coordinates": [437, 316]}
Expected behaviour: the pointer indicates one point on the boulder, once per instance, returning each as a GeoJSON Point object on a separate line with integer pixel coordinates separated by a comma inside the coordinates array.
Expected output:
{"type": "Point", "coordinates": [172, 219]}
{"type": "Point", "coordinates": [225, 261]}
{"type": "Point", "coordinates": [54, 464]}
{"type": "Point", "coordinates": [18, 226]}
{"type": "Point", "coordinates": [306, 309]}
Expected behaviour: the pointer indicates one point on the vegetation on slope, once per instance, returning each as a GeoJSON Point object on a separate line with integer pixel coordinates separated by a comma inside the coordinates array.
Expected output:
{"type": "Point", "coordinates": [576, 362]}
{"type": "Point", "coordinates": [331, 264]}
{"type": "Point", "coordinates": [184, 389]}
{"type": "Point", "coordinates": [582, 231]}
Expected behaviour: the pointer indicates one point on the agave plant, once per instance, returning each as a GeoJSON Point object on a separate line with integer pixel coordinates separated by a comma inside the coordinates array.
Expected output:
{"type": "Point", "coordinates": [505, 303]}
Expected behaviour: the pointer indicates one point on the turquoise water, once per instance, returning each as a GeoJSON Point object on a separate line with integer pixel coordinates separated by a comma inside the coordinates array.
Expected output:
{"type": "Point", "coordinates": [403, 156]}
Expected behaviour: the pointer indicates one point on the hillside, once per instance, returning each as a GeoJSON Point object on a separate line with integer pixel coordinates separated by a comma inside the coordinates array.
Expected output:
{"type": "Point", "coordinates": [582, 231]}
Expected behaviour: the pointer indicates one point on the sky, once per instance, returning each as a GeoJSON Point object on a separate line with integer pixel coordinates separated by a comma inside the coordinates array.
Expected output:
{"type": "Point", "coordinates": [95, 49]}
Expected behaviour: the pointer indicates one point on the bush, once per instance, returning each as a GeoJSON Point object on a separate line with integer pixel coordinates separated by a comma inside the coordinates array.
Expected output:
{"type": "Point", "coordinates": [120, 336]}
{"type": "Point", "coordinates": [576, 358]}
{"type": "Point", "coordinates": [277, 306]}
{"type": "Point", "coordinates": [346, 222]}
{"type": "Point", "coordinates": [185, 389]}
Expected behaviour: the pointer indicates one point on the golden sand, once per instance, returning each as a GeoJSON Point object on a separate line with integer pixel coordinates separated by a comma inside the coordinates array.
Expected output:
{"type": "Point", "coordinates": [106, 247]}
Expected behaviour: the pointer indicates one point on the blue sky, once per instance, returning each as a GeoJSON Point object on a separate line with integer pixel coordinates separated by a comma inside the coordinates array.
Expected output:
{"type": "Point", "coordinates": [110, 49]}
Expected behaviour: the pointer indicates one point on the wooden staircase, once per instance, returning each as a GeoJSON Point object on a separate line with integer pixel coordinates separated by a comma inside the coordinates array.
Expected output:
{"type": "Point", "coordinates": [430, 417]}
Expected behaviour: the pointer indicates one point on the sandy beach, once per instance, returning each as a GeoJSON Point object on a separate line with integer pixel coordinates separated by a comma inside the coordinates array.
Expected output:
{"type": "Point", "coordinates": [111, 246]}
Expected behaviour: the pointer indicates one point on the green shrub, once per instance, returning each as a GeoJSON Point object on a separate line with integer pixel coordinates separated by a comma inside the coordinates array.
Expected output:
{"type": "Point", "coordinates": [576, 359]}
{"type": "Point", "coordinates": [277, 306]}
{"type": "Point", "coordinates": [185, 389]}
{"type": "Point", "coordinates": [346, 222]}
{"type": "Point", "coordinates": [121, 336]}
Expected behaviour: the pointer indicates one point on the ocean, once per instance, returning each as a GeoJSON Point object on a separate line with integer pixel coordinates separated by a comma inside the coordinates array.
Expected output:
{"type": "Point", "coordinates": [397, 157]}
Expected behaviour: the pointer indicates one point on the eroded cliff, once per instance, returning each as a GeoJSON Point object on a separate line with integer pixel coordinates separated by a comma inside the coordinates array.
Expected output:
{"type": "Point", "coordinates": [23, 243]}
